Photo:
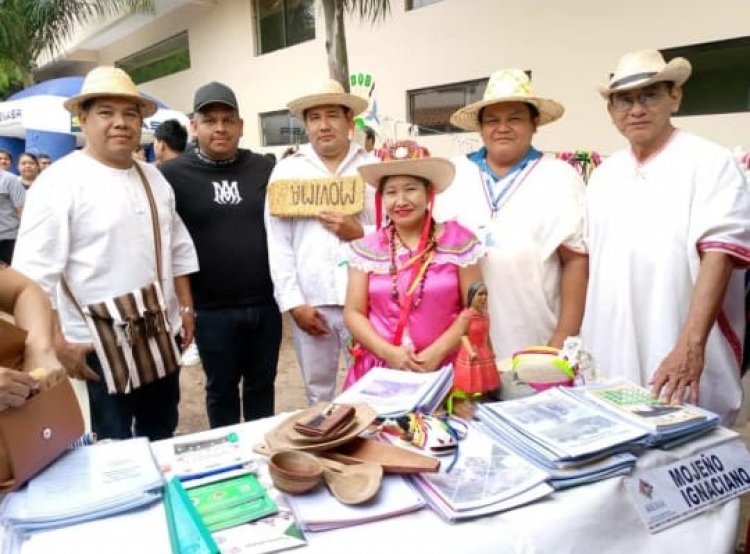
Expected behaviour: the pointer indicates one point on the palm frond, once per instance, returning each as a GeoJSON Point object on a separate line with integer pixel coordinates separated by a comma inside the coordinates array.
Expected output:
{"type": "Point", "coordinates": [368, 10]}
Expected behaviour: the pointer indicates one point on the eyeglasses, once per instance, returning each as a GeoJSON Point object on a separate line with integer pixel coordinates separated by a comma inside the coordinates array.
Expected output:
{"type": "Point", "coordinates": [648, 98]}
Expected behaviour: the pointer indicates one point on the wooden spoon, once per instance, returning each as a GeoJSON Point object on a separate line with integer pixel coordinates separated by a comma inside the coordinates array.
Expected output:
{"type": "Point", "coordinates": [352, 484]}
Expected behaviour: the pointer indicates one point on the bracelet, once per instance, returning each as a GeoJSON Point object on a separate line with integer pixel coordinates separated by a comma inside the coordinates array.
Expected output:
{"type": "Point", "coordinates": [186, 309]}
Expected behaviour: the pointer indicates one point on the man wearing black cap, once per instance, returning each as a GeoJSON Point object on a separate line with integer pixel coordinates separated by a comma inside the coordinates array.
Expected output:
{"type": "Point", "coordinates": [220, 192]}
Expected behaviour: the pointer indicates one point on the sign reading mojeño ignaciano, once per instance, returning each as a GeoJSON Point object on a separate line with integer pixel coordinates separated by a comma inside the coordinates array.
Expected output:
{"type": "Point", "coordinates": [308, 197]}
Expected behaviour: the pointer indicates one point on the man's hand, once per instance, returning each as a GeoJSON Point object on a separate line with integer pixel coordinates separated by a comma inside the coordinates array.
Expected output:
{"type": "Point", "coordinates": [310, 320]}
{"type": "Point", "coordinates": [73, 358]}
{"type": "Point", "coordinates": [679, 372]}
{"type": "Point", "coordinates": [15, 387]}
{"type": "Point", "coordinates": [344, 227]}
{"type": "Point", "coordinates": [188, 328]}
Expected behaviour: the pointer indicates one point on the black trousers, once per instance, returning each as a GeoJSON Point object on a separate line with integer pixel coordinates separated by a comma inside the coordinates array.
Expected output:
{"type": "Point", "coordinates": [239, 344]}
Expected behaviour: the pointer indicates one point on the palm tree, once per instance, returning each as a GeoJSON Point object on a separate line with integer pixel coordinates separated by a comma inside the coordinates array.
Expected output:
{"type": "Point", "coordinates": [30, 27]}
{"type": "Point", "coordinates": [333, 10]}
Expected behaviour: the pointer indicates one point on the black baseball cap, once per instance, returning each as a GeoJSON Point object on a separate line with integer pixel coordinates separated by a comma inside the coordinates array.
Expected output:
{"type": "Point", "coordinates": [214, 93]}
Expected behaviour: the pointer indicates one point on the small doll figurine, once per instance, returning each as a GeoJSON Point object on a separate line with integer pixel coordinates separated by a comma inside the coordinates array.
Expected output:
{"type": "Point", "coordinates": [475, 372]}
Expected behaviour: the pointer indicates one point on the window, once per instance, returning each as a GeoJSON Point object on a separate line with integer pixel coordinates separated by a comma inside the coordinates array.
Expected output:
{"type": "Point", "coordinates": [283, 23]}
{"type": "Point", "coordinates": [281, 128]}
{"type": "Point", "coordinates": [720, 82]}
{"type": "Point", "coordinates": [414, 4]}
{"type": "Point", "coordinates": [431, 108]}
{"type": "Point", "coordinates": [164, 58]}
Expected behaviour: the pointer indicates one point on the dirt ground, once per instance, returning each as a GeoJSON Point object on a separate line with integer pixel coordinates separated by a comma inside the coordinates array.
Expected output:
{"type": "Point", "coordinates": [290, 392]}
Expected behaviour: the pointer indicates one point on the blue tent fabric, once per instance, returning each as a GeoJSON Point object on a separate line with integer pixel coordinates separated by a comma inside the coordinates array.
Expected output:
{"type": "Point", "coordinates": [63, 86]}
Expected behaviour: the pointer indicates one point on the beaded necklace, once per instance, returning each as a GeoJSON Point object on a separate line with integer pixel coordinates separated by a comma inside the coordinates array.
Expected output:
{"type": "Point", "coordinates": [425, 258]}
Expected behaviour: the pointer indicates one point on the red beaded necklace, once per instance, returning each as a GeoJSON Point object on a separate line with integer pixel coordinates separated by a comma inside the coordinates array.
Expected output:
{"type": "Point", "coordinates": [424, 257]}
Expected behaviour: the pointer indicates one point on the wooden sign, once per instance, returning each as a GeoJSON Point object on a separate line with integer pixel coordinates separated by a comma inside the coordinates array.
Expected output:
{"type": "Point", "coordinates": [307, 197]}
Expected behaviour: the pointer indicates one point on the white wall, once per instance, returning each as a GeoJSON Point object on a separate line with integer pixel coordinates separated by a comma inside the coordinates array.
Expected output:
{"type": "Point", "coordinates": [569, 45]}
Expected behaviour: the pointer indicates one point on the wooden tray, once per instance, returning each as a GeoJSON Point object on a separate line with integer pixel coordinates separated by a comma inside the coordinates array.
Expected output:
{"type": "Point", "coordinates": [283, 437]}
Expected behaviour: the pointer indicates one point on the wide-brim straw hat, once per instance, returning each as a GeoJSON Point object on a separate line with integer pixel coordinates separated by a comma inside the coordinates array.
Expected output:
{"type": "Point", "coordinates": [408, 158]}
{"type": "Point", "coordinates": [109, 81]}
{"type": "Point", "coordinates": [644, 67]}
{"type": "Point", "coordinates": [325, 93]}
{"type": "Point", "coordinates": [507, 85]}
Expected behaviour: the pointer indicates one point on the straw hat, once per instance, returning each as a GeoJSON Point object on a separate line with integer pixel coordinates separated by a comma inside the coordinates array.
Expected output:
{"type": "Point", "coordinates": [109, 81]}
{"type": "Point", "coordinates": [644, 67]}
{"type": "Point", "coordinates": [408, 158]}
{"type": "Point", "coordinates": [324, 93]}
{"type": "Point", "coordinates": [507, 85]}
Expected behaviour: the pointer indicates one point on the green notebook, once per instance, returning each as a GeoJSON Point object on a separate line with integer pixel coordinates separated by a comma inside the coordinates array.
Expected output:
{"type": "Point", "coordinates": [187, 532]}
{"type": "Point", "coordinates": [231, 502]}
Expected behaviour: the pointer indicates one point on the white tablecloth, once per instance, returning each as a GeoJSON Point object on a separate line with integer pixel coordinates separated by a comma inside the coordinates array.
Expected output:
{"type": "Point", "coordinates": [591, 519]}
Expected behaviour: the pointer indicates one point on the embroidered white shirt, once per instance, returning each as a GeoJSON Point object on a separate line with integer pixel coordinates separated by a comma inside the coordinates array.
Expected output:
{"type": "Point", "coordinates": [92, 223]}
{"type": "Point", "coordinates": [647, 224]}
{"type": "Point", "coordinates": [522, 269]}
{"type": "Point", "coordinates": [306, 260]}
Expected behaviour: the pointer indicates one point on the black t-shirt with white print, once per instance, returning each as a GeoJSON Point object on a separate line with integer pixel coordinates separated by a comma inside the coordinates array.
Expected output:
{"type": "Point", "coordinates": [222, 206]}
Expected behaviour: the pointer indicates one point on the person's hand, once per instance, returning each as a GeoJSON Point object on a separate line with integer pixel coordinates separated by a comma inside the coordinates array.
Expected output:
{"type": "Point", "coordinates": [401, 357]}
{"type": "Point", "coordinates": [345, 227]}
{"type": "Point", "coordinates": [429, 359]}
{"type": "Point", "coordinates": [557, 340]}
{"type": "Point", "coordinates": [679, 373]}
{"type": "Point", "coordinates": [73, 358]}
{"type": "Point", "coordinates": [188, 328]}
{"type": "Point", "coordinates": [15, 387]}
{"type": "Point", "coordinates": [310, 320]}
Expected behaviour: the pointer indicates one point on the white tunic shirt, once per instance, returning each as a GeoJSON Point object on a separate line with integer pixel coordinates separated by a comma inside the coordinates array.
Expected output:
{"type": "Point", "coordinates": [647, 224]}
{"type": "Point", "coordinates": [306, 258]}
{"type": "Point", "coordinates": [541, 212]}
{"type": "Point", "coordinates": [92, 223]}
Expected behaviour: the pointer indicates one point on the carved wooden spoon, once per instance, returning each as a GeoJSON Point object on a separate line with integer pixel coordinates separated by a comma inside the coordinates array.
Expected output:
{"type": "Point", "coordinates": [352, 484]}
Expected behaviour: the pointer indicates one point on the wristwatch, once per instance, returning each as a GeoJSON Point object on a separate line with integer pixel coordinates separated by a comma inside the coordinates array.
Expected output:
{"type": "Point", "coordinates": [186, 310]}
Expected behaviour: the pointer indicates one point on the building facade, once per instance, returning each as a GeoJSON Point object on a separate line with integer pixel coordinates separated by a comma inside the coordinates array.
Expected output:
{"type": "Point", "coordinates": [428, 57]}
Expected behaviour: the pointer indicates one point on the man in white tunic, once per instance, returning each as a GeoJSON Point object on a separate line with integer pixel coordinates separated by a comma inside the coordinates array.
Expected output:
{"type": "Point", "coordinates": [87, 219]}
{"type": "Point", "coordinates": [528, 211]}
{"type": "Point", "coordinates": [305, 254]}
{"type": "Point", "coordinates": [668, 231]}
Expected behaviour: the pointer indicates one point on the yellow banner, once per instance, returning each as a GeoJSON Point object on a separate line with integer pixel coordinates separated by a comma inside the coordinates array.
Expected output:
{"type": "Point", "coordinates": [307, 197]}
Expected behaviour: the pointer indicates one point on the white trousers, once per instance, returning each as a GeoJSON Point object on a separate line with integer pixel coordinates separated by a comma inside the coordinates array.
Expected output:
{"type": "Point", "coordinates": [318, 357]}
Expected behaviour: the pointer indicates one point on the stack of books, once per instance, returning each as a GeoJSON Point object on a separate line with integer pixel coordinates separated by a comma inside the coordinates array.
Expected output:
{"type": "Point", "coordinates": [393, 392]}
{"type": "Point", "coordinates": [667, 425]}
{"type": "Point", "coordinates": [106, 479]}
{"type": "Point", "coordinates": [487, 478]}
{"type": "Point", "coordinates": [318, 510]}
{"type": "Point", "coordinates": [584, 434]}
{"type": "Point", "coordinates": [574, 441]}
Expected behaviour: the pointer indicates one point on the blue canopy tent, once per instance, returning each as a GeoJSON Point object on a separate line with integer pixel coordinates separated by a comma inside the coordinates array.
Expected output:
{"type": "Point", "coordinates": [35, 120]}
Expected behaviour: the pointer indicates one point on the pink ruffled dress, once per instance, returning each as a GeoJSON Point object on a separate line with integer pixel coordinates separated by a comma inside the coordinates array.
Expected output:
{"type": "Point", "coordinates": [441, 302]}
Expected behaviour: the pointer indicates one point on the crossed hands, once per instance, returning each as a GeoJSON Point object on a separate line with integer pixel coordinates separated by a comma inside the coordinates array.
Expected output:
{"type": "Point", "coordinates": [402, 357]}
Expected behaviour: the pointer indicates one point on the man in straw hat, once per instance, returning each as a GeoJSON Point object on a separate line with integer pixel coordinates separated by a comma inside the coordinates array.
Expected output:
{"type": "Point", "coordinates": [305, 254]}
{"type": "Point", "coordinates": [220, 190]}
{"type": "Point", "coordinates": [668, 225]}
{"type": "Point", "coordinates": [87, 219]}
{"type": "Point", "coordinates": [527, 210]}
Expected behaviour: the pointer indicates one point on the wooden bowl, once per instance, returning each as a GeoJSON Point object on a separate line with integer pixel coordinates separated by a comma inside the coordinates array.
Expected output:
{"type": "Point", "coordinates": [294, 472]}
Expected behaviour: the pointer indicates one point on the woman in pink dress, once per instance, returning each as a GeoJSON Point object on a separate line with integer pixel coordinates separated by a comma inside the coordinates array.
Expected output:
{"type": "Point", "coordinates": [408, 278]}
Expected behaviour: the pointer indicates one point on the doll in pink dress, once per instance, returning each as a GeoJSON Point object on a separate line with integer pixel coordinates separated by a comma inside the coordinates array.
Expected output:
{"type": "Point", "coordinates": [475, 372]}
